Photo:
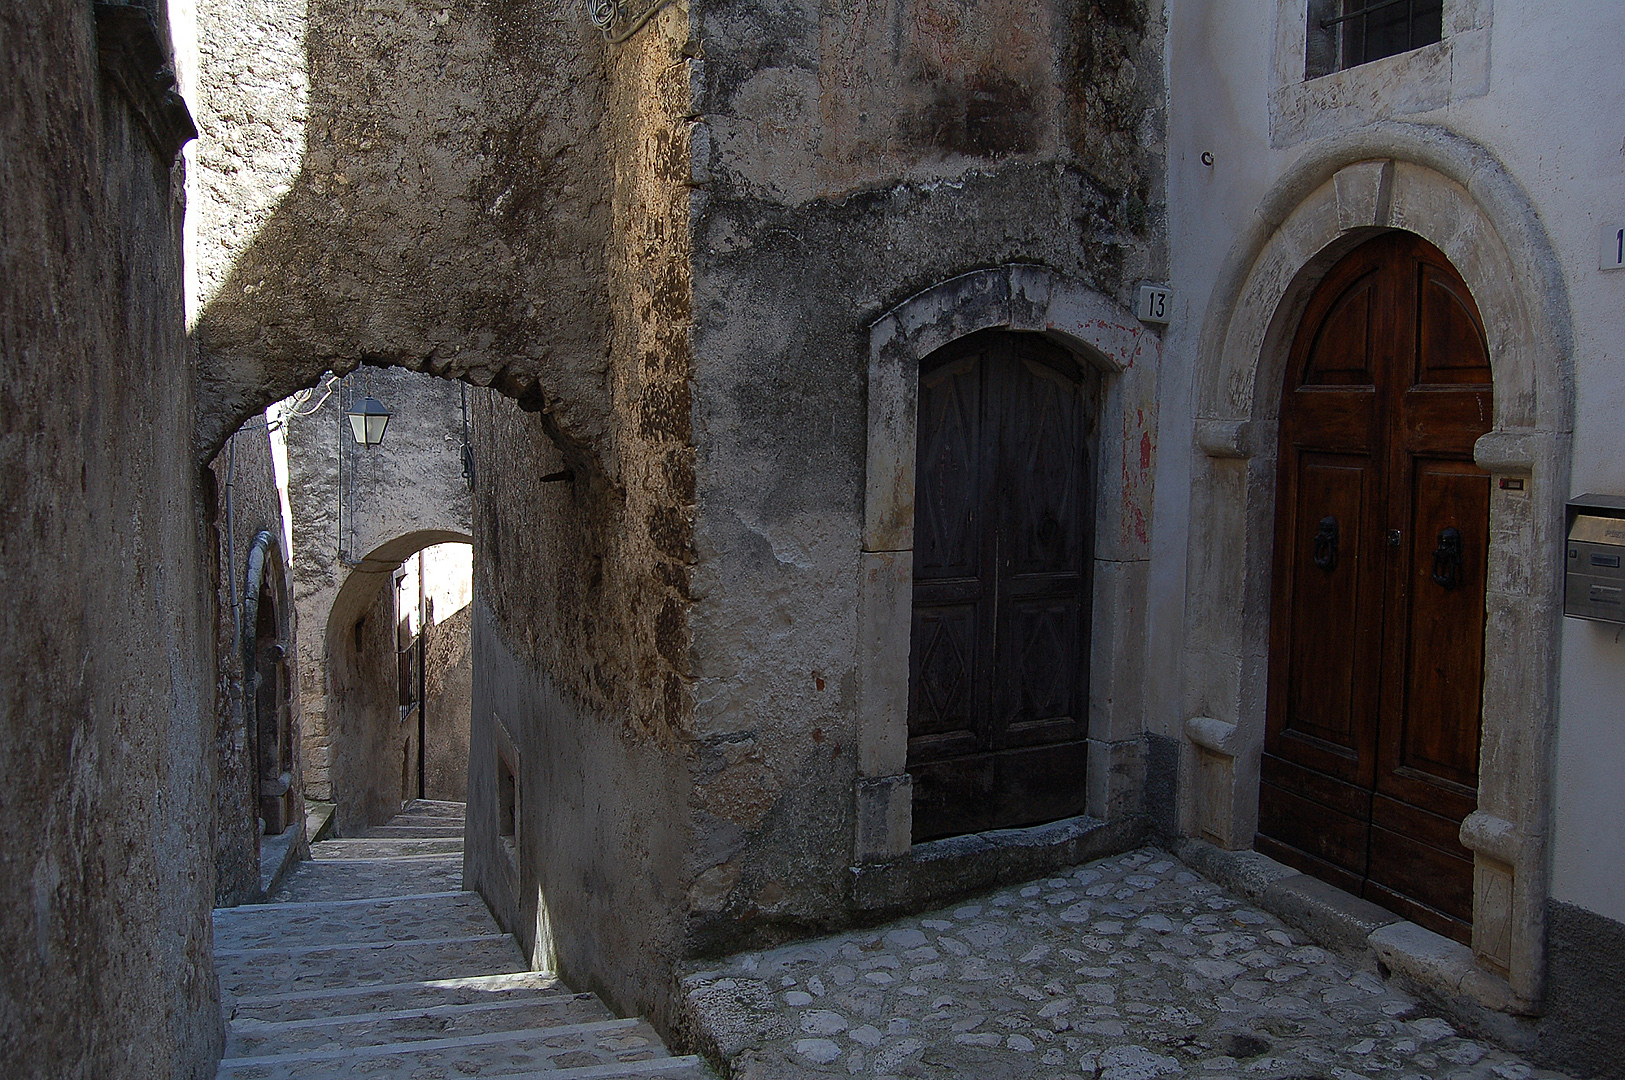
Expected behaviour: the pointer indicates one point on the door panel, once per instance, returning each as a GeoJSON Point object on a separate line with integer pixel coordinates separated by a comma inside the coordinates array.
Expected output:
{"type": "Point", "coordinates": [948, 527]}
{"type": "Point", "coordinates": [1004, 516]}
{"type": "Point", "coordinates": [1437, 730]}
{"type": "Point", "coordinates": [1324, 696]}
{"type": "Point", "coordinates": [1377, 660]}
{"type": "Point", "coordinates": [942, 712]}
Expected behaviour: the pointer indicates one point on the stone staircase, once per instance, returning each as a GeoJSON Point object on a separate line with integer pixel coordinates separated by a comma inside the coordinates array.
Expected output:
{"type": "Point", "coordinates": [370, 961]}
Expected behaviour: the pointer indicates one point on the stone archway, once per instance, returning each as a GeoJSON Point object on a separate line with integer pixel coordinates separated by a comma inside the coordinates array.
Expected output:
{"type": "Point", "coordinates": [1021, 298]}
{"type": "Point", "coordinates": [346, 760]}
{"type": "Point", "coordinates": [1454, 195]}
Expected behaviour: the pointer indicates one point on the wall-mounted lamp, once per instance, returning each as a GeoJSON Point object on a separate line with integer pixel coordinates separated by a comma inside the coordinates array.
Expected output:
{"type": "Point", "coordinates": [368, 419]}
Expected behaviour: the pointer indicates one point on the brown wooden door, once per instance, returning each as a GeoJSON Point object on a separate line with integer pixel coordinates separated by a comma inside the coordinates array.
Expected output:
{"type": "Point", "coordinates": [1377, 628]}
{"type": "Point", "coordinates": [1003, 542]}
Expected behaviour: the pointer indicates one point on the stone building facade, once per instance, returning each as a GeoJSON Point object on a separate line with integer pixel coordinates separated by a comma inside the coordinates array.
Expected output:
{"type": "Point", "coordinates": [714, 278]}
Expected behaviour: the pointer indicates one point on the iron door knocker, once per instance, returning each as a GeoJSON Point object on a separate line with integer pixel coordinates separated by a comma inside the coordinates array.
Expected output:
{"type": "Point", "coordinates": [1447, 559]}
{"type": "Point", "coordinates": [1326, 544]}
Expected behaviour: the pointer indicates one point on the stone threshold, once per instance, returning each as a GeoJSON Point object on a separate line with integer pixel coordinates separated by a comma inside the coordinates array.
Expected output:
{"type": "Point", "coordinates": [278, 854]}
{"type": "Point", "coordinates": [939, 871]}
{"type": "Point", "coordinates": [1426, 964]}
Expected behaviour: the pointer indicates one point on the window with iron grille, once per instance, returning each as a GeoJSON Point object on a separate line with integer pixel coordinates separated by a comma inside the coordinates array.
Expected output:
{"type": "Point", "coordinates": [1347, 33]}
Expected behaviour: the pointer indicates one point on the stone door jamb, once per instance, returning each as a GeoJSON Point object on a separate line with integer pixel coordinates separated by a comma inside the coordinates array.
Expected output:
{"type": "Point", "coordinates": [1100, 332]}
{"type": "Point", "coordinates": [1454, 194]}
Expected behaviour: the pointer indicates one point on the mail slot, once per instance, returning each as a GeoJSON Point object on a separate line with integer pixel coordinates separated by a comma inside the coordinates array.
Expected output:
{"type": "Point", "coordinates": [1594, 579]}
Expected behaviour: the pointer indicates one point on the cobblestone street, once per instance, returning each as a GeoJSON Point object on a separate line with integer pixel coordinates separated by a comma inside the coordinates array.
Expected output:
{"type": "Point", "coordinates": [1128, 968]}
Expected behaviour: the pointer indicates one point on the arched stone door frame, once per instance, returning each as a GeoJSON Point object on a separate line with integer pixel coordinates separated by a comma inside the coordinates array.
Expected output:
{"type": "Point", "coordinates": [1022, 298]}
{"type": "Point", "coordinates": [1454, 194]}
{"type": "Point", "coordinates": [266, 575]}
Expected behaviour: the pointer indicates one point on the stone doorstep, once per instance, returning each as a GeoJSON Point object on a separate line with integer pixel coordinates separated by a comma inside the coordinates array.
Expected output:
{"type": "Point", "coordinates": [1428, 964]}
{"type": "Point", "coordinates": [278, 854]}
{"type": "Point", "coordinates": [935, 872]}
{"type": "Point", "coordinates": [318, 819]}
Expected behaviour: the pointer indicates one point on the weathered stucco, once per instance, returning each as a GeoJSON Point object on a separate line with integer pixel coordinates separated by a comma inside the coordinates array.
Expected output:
{"type": "Point", "coordinates": [107, 664]}
{"type": "Point", "coordinates": [944, 138]}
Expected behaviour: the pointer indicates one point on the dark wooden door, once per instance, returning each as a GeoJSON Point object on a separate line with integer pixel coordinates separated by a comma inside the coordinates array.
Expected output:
{"type": "Point", "coordinates": [1377, 629]}
{"type": "Point", "coordinates": [1003, 543]}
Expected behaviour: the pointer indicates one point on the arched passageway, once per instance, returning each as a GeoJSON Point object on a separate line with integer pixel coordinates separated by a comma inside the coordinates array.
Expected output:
{"type": "Point", "coordinates": [398, 679]}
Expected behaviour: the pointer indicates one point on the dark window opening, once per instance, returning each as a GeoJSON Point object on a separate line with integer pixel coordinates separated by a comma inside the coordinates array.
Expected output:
{"type": "Point", "coordinates": [1348, 33]}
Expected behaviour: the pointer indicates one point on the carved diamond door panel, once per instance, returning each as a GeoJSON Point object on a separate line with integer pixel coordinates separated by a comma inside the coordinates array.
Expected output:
{"type": "Point", "coordinates": [1004, 512]}
{"type": "Point", "coordinates": [1377, 629]}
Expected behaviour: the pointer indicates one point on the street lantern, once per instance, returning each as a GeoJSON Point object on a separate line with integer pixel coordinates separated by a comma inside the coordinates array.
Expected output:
{"type": "Point", "coordinates": [368, 419]}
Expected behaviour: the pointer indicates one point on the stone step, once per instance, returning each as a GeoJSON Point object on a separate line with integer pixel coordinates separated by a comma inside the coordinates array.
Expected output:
{"type": "Point", "coordinates": [350, 922]}
{"type": "Point", "coordinates": [422, 832]}
{"type": "Point", "coordinates": [317, 967]}
{"type": "Point", "coordinates": [404, 858]}
{"type": "Point", "coordinates": [247, 1037]}
{"type": "Point", "coordinates": [435, 807]}
{"type": "Point", "coordinates": [606, 1048]}
{"type": "Point", "coordinates": [395, 997]}
{"type": "Point", "coordinates": [329, 880]}
{"type": "Point", "coordinates": [360, 847]}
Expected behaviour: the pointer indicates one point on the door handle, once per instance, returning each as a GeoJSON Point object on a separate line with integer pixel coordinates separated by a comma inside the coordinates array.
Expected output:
{"type": "Point", "coordinates": [1447, 558]}
{"type": "Point", "coordinates": [1325, 551]}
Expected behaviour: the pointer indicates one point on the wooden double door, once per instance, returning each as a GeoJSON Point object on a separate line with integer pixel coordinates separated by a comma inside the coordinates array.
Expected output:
{"type": "Point", "coordinates": [1003, 546]}
{"type": "Point", "coordinates": [1377, 627]}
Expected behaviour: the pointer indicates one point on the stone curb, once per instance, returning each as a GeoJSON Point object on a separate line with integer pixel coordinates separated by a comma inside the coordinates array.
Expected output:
{"type": "Point", "coordinates": [1428, 965]}
{"type": "Point", "coordinates": [938, 871]}
{"type": "Point", "coordinates": [278, 855]}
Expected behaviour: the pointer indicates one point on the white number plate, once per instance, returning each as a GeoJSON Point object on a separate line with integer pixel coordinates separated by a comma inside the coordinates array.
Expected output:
{"type": "Point", "coordinates": [1155, 304]}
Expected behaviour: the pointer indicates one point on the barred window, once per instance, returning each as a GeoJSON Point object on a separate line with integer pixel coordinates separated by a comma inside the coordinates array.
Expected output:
{"type": "Point", "coordinates": [1347, 33]}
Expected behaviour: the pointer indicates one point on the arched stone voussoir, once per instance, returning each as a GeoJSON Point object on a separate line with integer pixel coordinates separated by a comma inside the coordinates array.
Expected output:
{"type": "Point", "coordinates": [235, 386]}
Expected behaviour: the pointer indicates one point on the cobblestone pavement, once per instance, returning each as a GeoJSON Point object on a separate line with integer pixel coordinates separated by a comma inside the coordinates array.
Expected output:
{"type": "Point", "coordinates": [1129, 968]}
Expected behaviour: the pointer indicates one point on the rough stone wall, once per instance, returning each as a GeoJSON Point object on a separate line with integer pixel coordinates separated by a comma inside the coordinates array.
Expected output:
{"type": "Point", "coordinates": [448, 676]}
{"type": "Point", "coordinates": [247, 502]}
{"type": "Point", "coordinates": [106, 657]}
{"type": "Point", "coordinates": [858, 156]}
{"type": "Point", "coordinates": [401, 496]}
{"type": "Point", "coordinates": [582, 590]}
{"type": "Point", "coordinates": [404, 183]}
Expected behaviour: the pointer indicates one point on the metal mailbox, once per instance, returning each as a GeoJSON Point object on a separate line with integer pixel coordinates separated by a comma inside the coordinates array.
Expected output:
{"type": "Point", "coordinates": [1594, 571]}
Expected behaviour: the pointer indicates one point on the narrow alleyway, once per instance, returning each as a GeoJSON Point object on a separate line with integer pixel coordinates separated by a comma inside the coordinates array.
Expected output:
{"type": "Point", "coordinates": [1129, 968]}
{"type": "Point", "coordinates": [372, 962]}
